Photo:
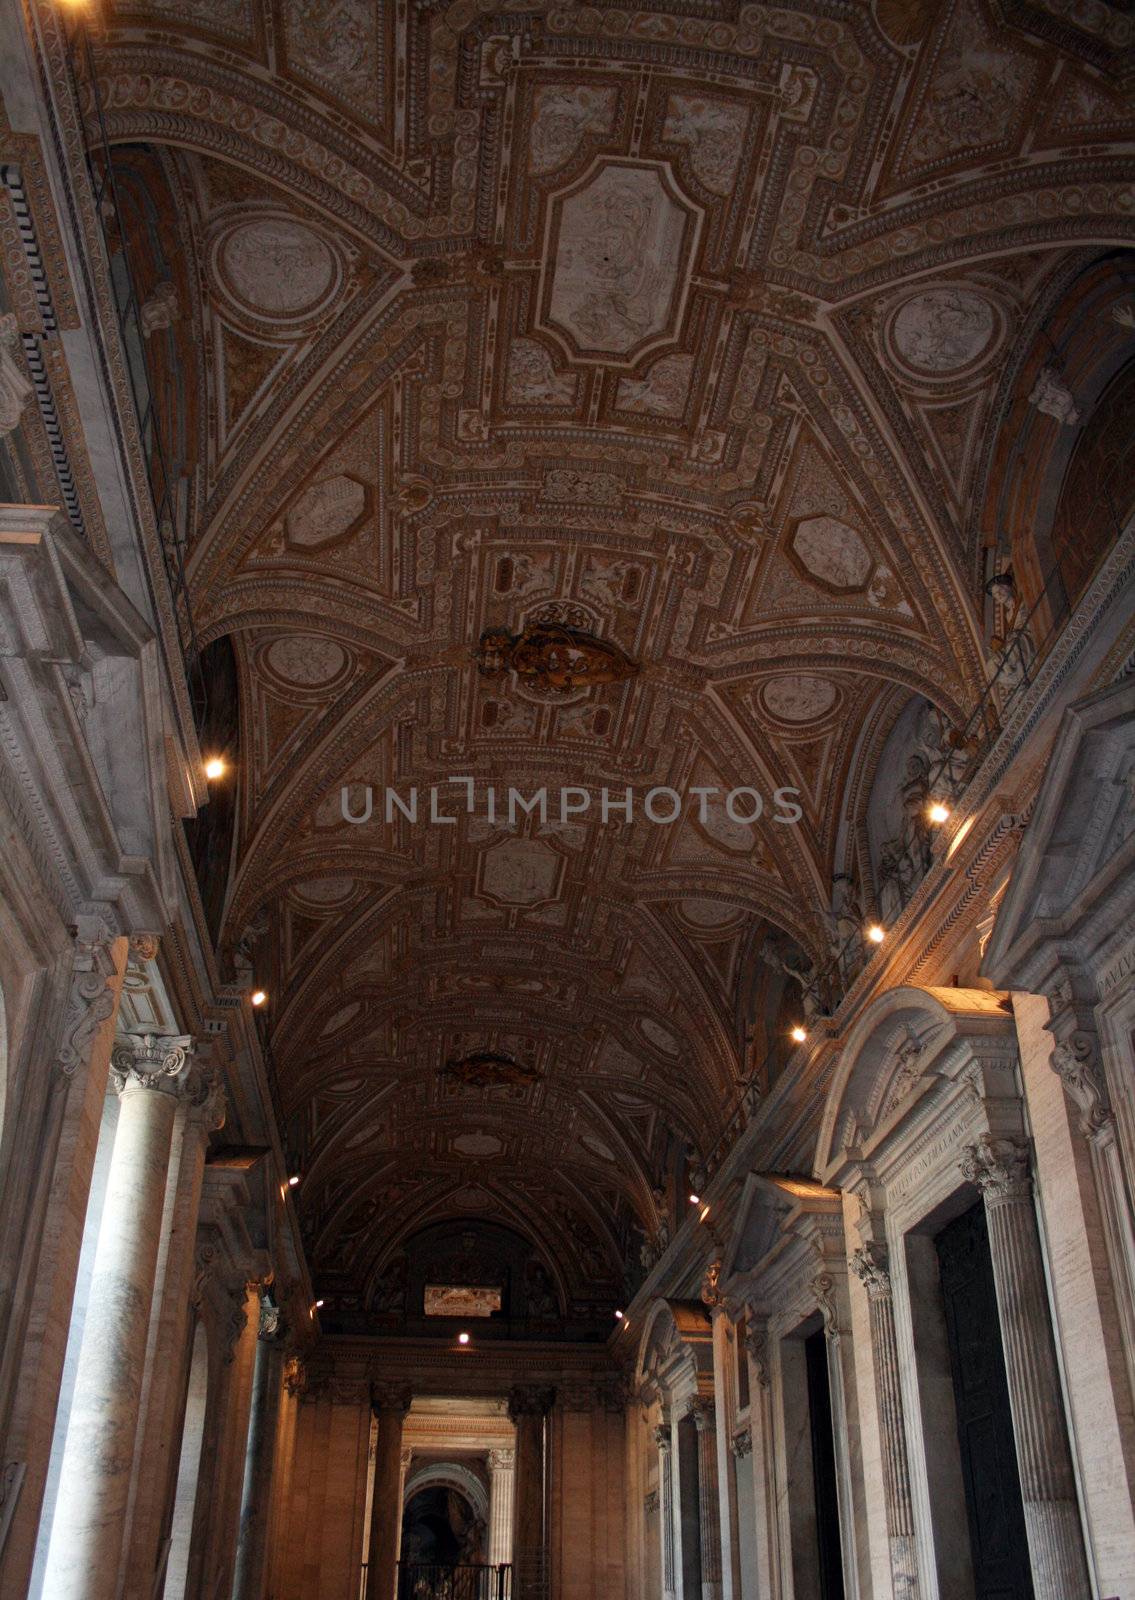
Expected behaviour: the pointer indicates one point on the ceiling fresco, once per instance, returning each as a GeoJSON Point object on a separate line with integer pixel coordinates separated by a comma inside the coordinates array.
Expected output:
{"type": "Point", "coordinates": [682, 330]}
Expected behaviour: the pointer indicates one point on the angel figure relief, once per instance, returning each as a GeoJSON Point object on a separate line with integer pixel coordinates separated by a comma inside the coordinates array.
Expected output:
{"type": "Point", "coordinates": [552, 658]}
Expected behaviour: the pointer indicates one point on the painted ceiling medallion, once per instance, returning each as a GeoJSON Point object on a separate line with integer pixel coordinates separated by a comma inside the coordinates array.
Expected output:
{"type": "Point", "coordinates": [798, 697]}
{"type": "Point", "coordinates": [553, 658]}
{"type": "Point", "coordinates": [488, 1069]}
{"type": "Point", "coordinates": [616, 262]}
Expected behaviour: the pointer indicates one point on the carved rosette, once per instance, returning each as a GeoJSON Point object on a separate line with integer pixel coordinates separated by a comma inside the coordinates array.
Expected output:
{"type": "Point", "coordinates": [999, 1166]}
{"type": "Point", "coordinates": [149, 1061]}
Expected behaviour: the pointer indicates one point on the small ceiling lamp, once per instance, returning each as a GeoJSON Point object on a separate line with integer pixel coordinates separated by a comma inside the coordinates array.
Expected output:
{"type": "Point", "coordinates": [293, 1180]}
{"type": "Point", "coordinates": [695, 1199]}
{"type": "Point", "coordinates": [798, 1035]}
{"type": "Point", "coordinates": [876, 934]}
{"type": "Point", "coordinates": [318, 1304]}
{"type": "Point", "coordinates": [258, 996]}
{"type": "Point", "coordinates": [618, 1316]}
{"type": "Point", "coordinates": [214, 768]}
{"type": "Point", "coordinates": [463, 1338]}
{"type": "Point", "coordinates": [938, 813]}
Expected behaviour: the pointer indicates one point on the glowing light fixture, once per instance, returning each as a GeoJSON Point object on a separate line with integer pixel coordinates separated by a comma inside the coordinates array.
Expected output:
{"type": "Point", "coordinates": [695, 1199]}
{"type": "Point", "coordinates": [318, 1303]}
{"type": "Point", "coordinates": [214, 768]}
{"type": "Point", "coordinates": [463, 1338]}
{"type": "Point", "coordinates": [704, 1213]}
{"type": "Point", "coordinates": [293, 1180]}
{"type": "Point", "coordinates": [258, 996]}
{"type": "Point", "coordinates": [938, 813]}
{"type": "Point", "coordinates": [798, 1035]}
{"type": "Point", "coordinates": [876, 934]}
{"type": "Point", "coordinates": [618, 1316]}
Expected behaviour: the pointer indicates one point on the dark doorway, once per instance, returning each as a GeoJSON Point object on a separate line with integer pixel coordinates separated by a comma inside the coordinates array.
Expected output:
{"type": "Point", "coordinates": [823, 1466]}
{"type": "Point", "coordinates": [440, 1527]}
{"type": "Point", "coordinates": [981, 1399]}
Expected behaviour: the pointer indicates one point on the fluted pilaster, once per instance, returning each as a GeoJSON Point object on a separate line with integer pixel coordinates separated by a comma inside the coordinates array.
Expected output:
{"type": "Point", "coordinates": [709, 1509]}
{"type": "Point", "coordinates": [870, 1266]}
{"type": "Point", "coordinates": [1000, 1167]}
{"type": "Point", "coordinates": [664, 1442]}
{"type": "Point", "coordinates": [502, 1481]}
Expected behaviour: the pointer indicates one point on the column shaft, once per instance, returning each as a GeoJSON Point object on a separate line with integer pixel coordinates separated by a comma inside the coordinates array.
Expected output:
{"type": "Point", "coordinates": [390, 1407]}
{"type": "Point", "coordinates": [709, 1511]}
{"type": "Point", "coordinates": [666, 1507]}
{"type": "Point", "coordinates": [502, 1467]}
{"type": "Point", "coordinates": [1000, 1168]}
{"type": "Point", "coordinates": [869, 1266]}
{"type": "Point", "coordinates": [256, 1495]}
{"type": "Point", "coordinates": [528, 1409]}
{"type": "Point", "coordinates": [89, 1524]}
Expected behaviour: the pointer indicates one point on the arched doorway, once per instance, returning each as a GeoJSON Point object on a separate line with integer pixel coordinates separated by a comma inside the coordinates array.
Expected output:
{"type": "Point", "coordinates": [440, 1527]}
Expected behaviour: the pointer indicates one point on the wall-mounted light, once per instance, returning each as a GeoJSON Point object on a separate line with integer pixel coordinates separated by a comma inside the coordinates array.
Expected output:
{"type": "Point", "coordinates": [214, 768]}
{"type": "Point", "coordinates": [695, 1199]}
{"type": "Point", "coordinates": [318, 1304]}
{"type": "Point", "coordinates": [463, 1338]}
{"type": "Point", "coordinates": [876, 934]}
{"type": "Point", "coordinates": [293, 1180]}
{"type": "Point", "coordinates": [258, 997]}
{"type": "Point", "coordinates": [938, 813]}
{"type": "Point", "coordinates": [618, 1316]}
{"type": "Point", "coordinates": [798, 1035]}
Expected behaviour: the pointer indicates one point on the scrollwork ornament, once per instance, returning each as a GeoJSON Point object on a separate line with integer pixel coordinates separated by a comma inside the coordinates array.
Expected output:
{"type": "Point", "coordinates": [756, 1343]}
{"type": "Point", "coordinates": [999, 1166]}
{"type": "Point", "coordinates": [90, 1002]}
{"type": "Point", "coordinates": [1075, 1064]}
{"type": "Point", "coordinates": [823, 1287]}
{"type": "Point", "coordinates": [149, 1061]}
{"type": "Point", "coordinates": [205, 1096]}
{"type": "Point", "coordinates": [742, 1444]}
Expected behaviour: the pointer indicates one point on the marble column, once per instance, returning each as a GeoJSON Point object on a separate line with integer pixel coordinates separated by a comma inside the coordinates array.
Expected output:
{"type": "Point", "coordinates": [528, 1408]}
{"type": "Point", "coordinates": [502, 1476]}
{"type": "Point", "coordinates": [767, 1564]}
{"type": "Point", "coordinates": [664, 1441]}
{"type": "Point", "coordinates": [390, 1403]}
{"type": "Point", "coordinates": [869, 1265]}
{"type": "Point", "coordinates": [709, 1510]}
{"type": "Point", "coordinates": [1000, 1168]}
{"type": "Point", "coordinates": [94, 1485]}
{"type": "Point", "coordinates": [256, 1493]}
{"type": "Point", "coordinates": [201, 1112]}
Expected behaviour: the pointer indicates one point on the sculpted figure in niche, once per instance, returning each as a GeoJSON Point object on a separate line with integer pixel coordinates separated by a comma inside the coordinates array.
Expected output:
{"type": "Point", "coordinates": [553, 659]}
{"type": "Point", "coordinates": [847, 927]}
{"type": "Point", "coordinates": [915, 796]}
{"type": "Point", "coordinates": [1012, 651]}
{"type": "Point", "coordinates": [539, 1293]}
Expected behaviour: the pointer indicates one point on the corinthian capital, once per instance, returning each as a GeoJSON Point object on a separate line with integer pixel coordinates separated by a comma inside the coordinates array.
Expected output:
{"type": "Point", "coordinates": [999, 1166]}
{"type": "Point", "coordinates": [149, 1061]}
{"type": "Point", "coordinates": [392, 1398]}
{"type": "Point", "coordinates": [869, 1265]}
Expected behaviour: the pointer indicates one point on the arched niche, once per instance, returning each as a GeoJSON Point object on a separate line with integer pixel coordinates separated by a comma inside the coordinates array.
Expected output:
{"type": "Point", "coordinates": [914, 1056]}
{"type": "Point", "coordinates": [444, 1517]}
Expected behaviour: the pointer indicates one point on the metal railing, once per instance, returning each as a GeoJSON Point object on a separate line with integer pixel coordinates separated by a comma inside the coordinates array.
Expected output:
{"type": "Point", "coordinates": [169, 516]}
{"type": "Point", "coordinates": [466, 1581]}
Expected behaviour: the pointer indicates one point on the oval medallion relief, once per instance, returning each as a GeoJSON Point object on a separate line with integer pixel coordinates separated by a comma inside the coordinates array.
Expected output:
{"type": "Point", "coordinates": [306, 660]}
{"type": "Point", "coordinates": [276, 268]}
{"type": "Point", "coordinates": [797, 697]}
{"type": "Point", "coordinates": [944, 331]}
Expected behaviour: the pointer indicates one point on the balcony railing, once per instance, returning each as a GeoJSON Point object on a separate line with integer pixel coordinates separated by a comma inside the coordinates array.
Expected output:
{"type": "Point", "coordinates": [470, 1581]}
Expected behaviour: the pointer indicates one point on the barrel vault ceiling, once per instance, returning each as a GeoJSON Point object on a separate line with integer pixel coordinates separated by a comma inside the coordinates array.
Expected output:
{"type": "Point", "coordinates": [688, 327]}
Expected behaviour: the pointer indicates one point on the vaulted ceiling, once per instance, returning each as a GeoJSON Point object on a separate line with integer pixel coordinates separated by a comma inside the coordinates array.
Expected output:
{"type": "Point", "coordinates": [690, 327]}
